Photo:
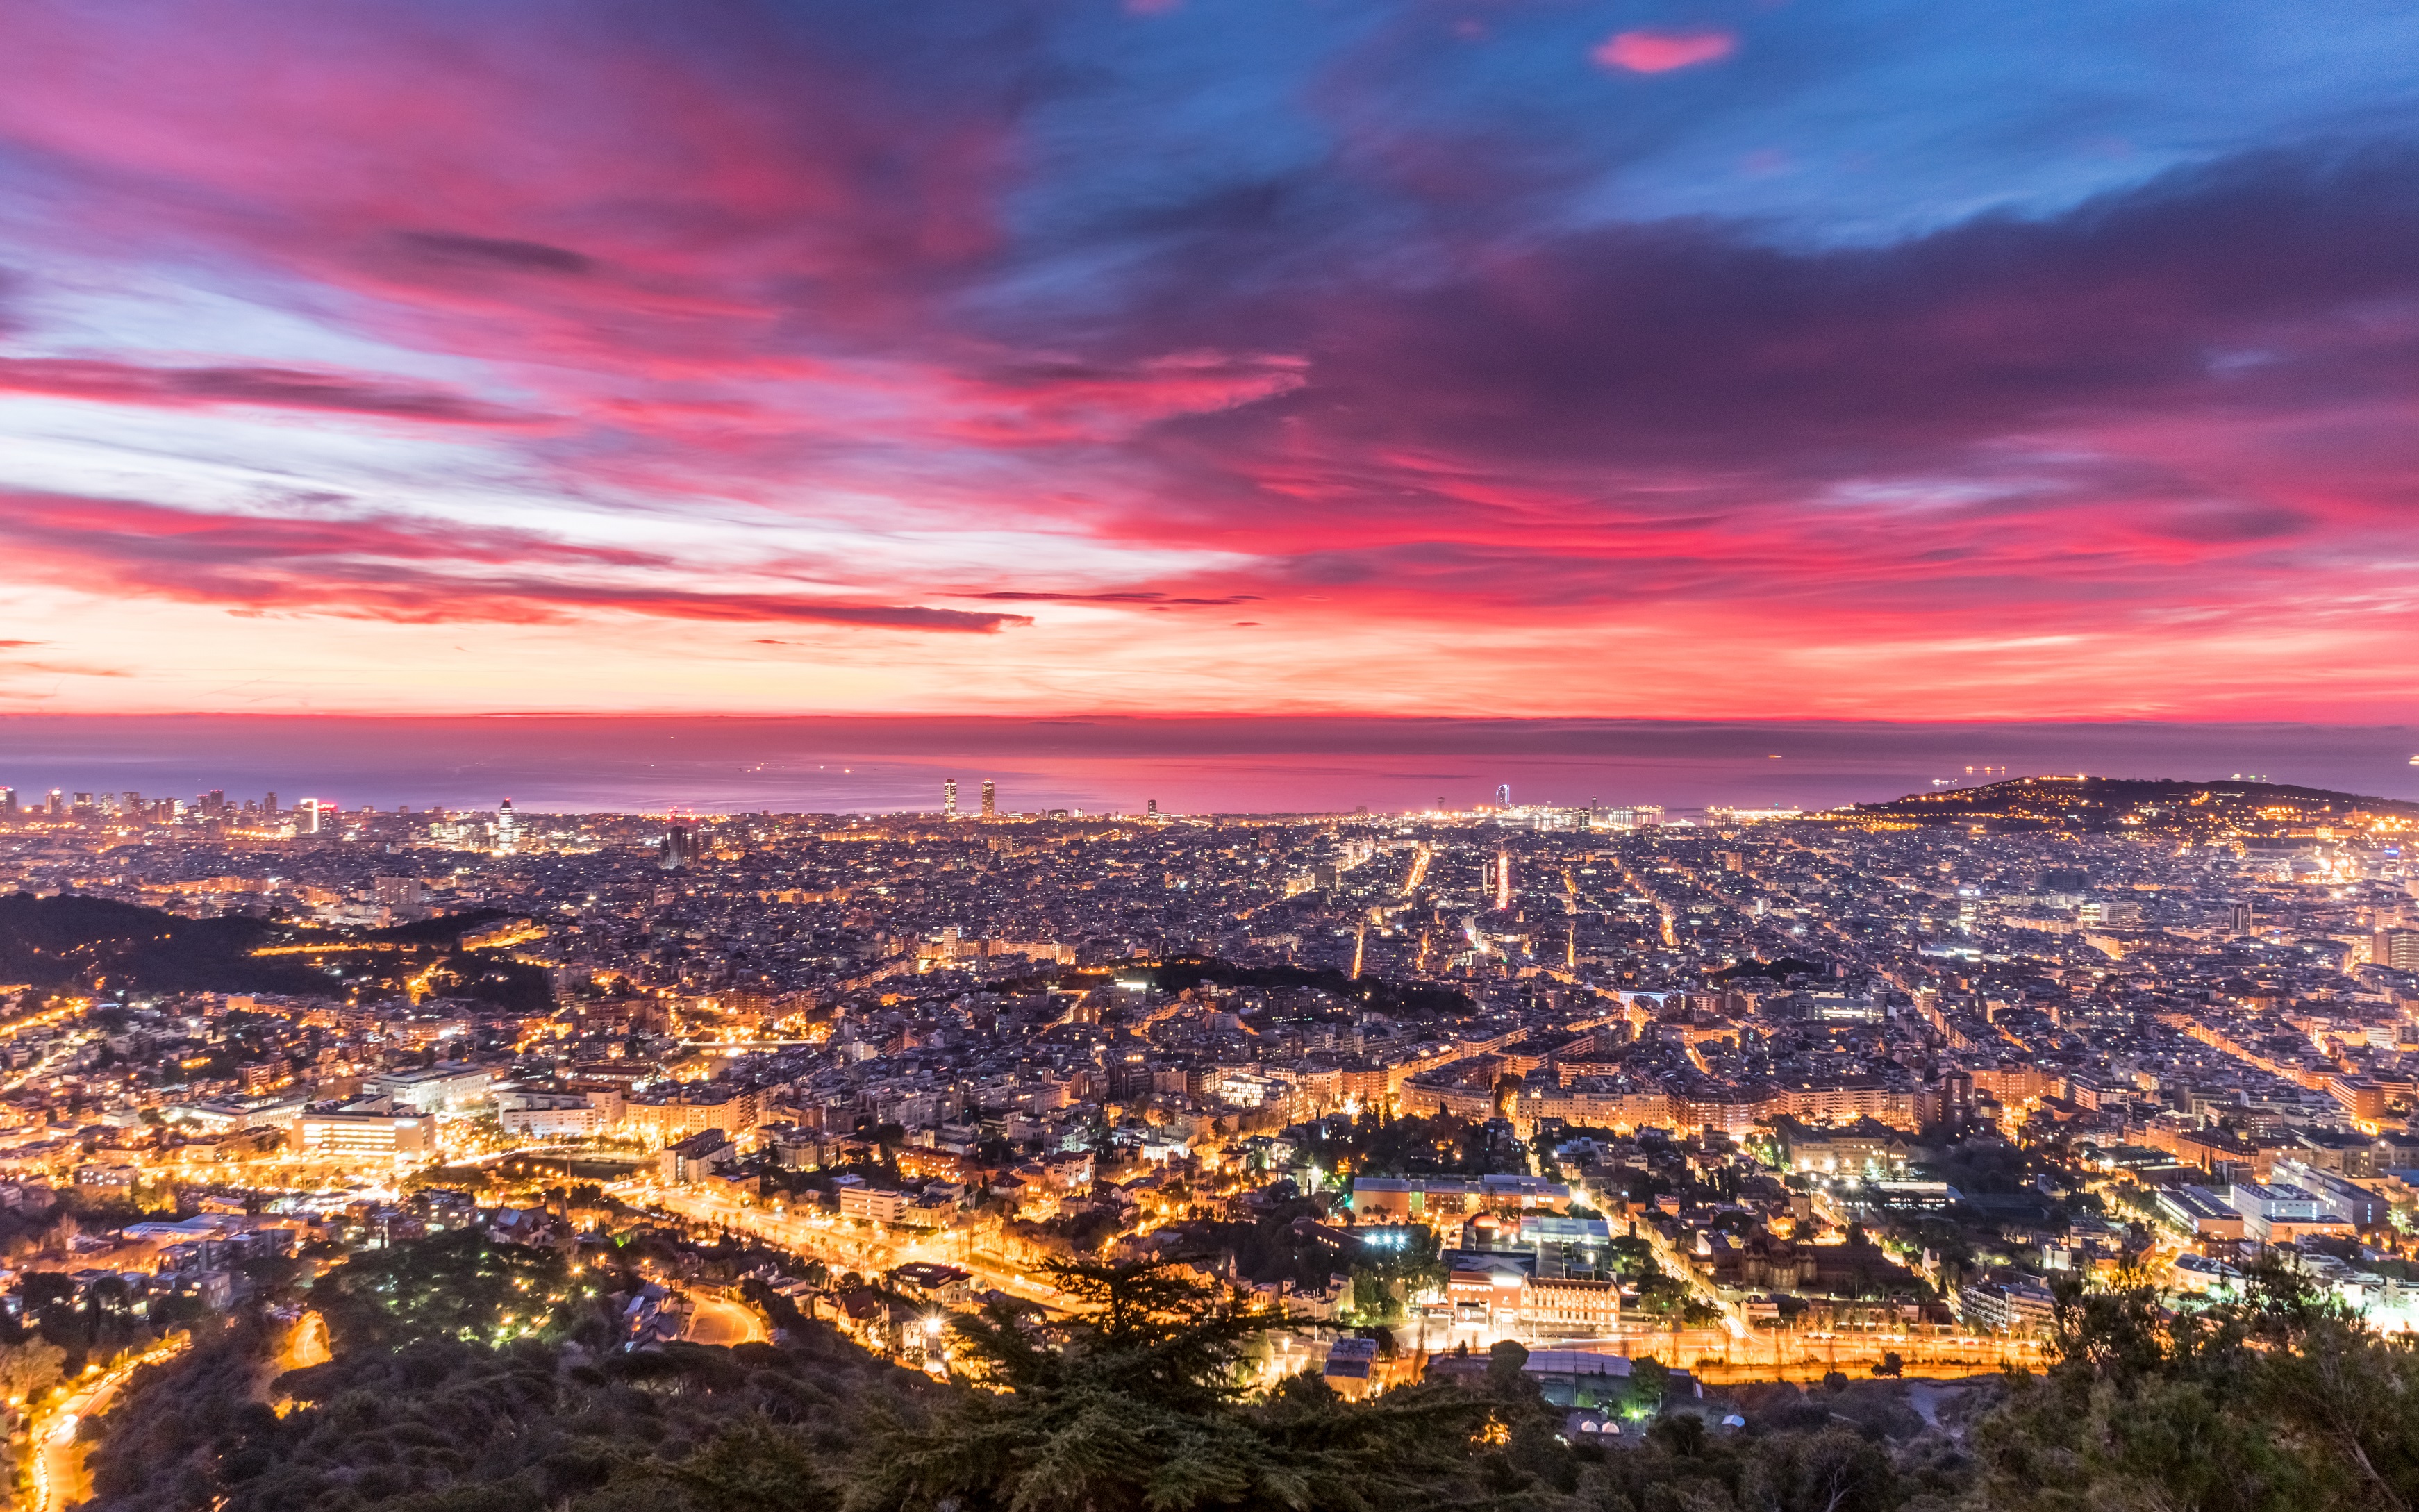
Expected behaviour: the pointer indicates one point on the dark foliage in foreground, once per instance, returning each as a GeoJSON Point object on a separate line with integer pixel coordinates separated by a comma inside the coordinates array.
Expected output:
{"type": "Point", "coordinates": [442, 1426]}
{"type": "Point", "coordinates": [2271, 1403]}
{"type": "Point", "coordinates": [1134, 1409]}
{"type": "Point", "coordinates": [2278, 1401]}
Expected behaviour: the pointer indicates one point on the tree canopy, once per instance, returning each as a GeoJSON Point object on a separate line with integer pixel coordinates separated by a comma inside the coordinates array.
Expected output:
{"type": "Point", "coordinates": [1151, 1398]}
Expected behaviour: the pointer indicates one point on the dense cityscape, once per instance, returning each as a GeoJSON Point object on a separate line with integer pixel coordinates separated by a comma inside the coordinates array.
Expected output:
{"type": "Point", "coordinates": [1166, 756]}
{"type": "Point", "coordinates": [1756, 1096]}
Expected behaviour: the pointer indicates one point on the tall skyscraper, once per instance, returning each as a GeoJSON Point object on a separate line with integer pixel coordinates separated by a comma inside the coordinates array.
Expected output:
{"type": "Point", "coordinates": [1150, 808]}
{"type": "Point", "coordinates": [58, 804]}
{"type": "Point", "coordinates": [267, 805]}
{"type": "Point", "coordinates": [8, 800]}
{"type": "Point", "coordinates": [950, 798]}
{"type": "Point", "coordinates": [990, 800]}
{"type": "Point", "coordinates": [1503, 794]}
{"type": "Point", "coordinates": [508, 828]}
{"type": "Point", "coordinates": [677, 848]}
{"type": "Point", "coordinates": [307, 816]}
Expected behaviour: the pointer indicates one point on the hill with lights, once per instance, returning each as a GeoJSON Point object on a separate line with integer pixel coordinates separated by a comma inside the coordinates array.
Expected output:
{"type": "Point", "coordinates": [2162, 806]}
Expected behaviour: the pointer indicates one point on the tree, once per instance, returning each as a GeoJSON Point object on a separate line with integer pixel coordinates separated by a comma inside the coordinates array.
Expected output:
{"type": "Point", "coordinates": [29, 1368]}
{"type": "Point", "coordinates": [1136, 1403]}
{"type": "Point", "coordinates": [1649, 1378]}
{"type": "Point", "coordinates": [754, 1465]}
{"type": "Point", "coordinates": [461, 1285]}
{"type": "Point", "coordinates": [1833, 1471]}
{"type": "Point", "coordinates": [1505, 1359]}
{"type": "Point", "coordinates": [2274, 1400]}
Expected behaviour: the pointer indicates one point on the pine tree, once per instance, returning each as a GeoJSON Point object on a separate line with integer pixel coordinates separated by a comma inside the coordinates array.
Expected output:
{"type": "Point", "coordinates": [1137, 1404]}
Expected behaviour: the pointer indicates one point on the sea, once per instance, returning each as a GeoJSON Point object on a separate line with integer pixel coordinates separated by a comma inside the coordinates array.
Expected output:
{"type": "Point", "coordinates": [1109, 765]}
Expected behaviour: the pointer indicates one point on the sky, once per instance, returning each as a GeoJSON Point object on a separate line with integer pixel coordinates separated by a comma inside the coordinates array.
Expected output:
{"type": "Point", "coordinates": [1766, 360]}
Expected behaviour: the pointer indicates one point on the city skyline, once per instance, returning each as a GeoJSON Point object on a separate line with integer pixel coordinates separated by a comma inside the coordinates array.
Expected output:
{"type": "Point", "coordinates": [1728, 363]}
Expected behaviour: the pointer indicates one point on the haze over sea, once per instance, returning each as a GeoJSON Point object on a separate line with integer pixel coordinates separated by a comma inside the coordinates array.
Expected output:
{"type": "Point", "coordinates": [1108, 765]}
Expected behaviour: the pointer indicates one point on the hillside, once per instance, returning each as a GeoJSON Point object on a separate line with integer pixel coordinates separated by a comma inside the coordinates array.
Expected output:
{"type": "Point", "coordinates": [85, 942]}
{"type": "Point", "coordinates": [2161, 805]}
{"type": "Point", "coordinates": [469, 1375]}
{"type": "Point", "coordinates": [74, 941]}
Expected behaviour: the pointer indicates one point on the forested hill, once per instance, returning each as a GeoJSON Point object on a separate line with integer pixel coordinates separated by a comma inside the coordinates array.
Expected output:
{"type": "Point", "coordinates": [2165, 805]}
{"type": "Point", "coordinates": [74, 941]}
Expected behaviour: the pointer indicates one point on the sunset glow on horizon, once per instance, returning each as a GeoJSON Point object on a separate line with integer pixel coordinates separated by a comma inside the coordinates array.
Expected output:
{"type": "Point", "coordinates": [1751, 361]}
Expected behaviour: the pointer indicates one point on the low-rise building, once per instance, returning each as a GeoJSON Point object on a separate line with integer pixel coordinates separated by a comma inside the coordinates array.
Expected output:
{"type": "Point", "coordinates": [859, 1198]}
{"type": "Point", "coordinates": [688, 1160]}
{"type": "Point", "coordinates": [1570, 1308]}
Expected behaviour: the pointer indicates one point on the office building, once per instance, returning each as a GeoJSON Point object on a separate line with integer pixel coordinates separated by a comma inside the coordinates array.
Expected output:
{"type": "Point", "coordinates": [990, 800]}
{"type": "Point", "coordinates": [950, 798]}
{"type": "Point", "coordinates": [2281, 1214]}
{"type": "Point", "coordinates": [447, 1086]}
{"type": "Point", "coordinates": [364, 1131]}
{"type": "Point", "coordinates": [2396, 948]}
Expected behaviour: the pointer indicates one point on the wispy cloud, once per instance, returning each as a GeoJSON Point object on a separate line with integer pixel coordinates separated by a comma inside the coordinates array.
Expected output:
{"type": "Point", "coordinates": [1474, 372]}
{"type": "Point", "coordinates": [1651, 52]}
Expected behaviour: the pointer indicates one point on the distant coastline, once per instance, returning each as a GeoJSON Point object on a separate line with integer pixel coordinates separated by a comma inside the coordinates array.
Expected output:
{"type": "Point", "coordinates": [1110, 762]}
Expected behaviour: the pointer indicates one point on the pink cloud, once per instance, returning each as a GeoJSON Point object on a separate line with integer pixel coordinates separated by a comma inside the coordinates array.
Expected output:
{"type": "Point", "coordinates": [398, 570]}
{"type": "Point", "coordinates": [732, 274]}
{"type": "Point", "coordinates": [273, 388]}
{"type": "Point", "coordinates": [1645, 52]}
